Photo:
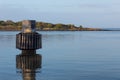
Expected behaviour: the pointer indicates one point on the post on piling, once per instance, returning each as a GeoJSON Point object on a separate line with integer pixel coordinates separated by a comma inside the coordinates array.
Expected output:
{"type": "Point", "coordinates": [28, 40]}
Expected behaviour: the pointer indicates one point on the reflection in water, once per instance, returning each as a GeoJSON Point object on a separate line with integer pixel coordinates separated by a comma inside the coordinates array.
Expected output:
{"type": "Point", "coordinates": [28, 65]}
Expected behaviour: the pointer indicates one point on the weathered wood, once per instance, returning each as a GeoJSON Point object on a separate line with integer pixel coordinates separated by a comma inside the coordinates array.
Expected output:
{"type": "Point", "coordinates": [28, 41]}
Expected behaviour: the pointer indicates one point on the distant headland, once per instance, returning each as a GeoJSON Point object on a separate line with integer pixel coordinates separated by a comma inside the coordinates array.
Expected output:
{"type": "Point", "coordinates": [10, 25]}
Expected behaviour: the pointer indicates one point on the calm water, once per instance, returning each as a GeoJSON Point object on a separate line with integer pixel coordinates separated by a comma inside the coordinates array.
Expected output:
{"type": "Point", "coordinates": [67, 56]}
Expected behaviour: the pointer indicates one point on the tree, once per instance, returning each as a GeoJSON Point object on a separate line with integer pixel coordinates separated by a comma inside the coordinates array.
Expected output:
{"type": "Point", "coordinates": [80, 26]}
{"type": "Point", "coordinates": [3, 23]}
{"type": "Point", "coordinates": [10, 22]}
{"type": "Point", "coordinates": [71, 26]}
{"type": "Point", "coordinates": [59, 27]}
{"type": "Point", "coordinates": [19, 23]}
{"type": "Point", "coordinates": [49, 25]}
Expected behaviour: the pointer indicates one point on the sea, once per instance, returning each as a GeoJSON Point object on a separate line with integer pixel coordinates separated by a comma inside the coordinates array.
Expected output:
{"type": "Point", "coordinates": [66, 55]}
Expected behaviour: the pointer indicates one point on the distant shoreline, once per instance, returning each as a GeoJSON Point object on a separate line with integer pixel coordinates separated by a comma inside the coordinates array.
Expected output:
{"type": "Point", "coordinates": [67, 30]}
{"type": "Point", "coordinates": [10, 25]}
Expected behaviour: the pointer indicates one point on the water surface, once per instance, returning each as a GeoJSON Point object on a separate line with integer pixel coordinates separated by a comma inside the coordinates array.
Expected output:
{"type": "Point", "coordinates": [82, 55]}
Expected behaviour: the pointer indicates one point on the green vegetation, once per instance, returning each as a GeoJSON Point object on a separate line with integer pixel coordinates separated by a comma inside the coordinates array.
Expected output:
{"type": "Point", "coordinates": [12, 26]}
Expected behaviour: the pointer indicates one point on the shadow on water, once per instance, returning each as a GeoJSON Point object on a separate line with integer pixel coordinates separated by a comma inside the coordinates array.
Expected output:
{"type": "Point", "coordinates": [28, 65]}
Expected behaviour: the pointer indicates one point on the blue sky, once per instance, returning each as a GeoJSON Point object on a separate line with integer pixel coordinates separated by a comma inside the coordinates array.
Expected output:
{"type": "Point", "coordinates": [89, 13]}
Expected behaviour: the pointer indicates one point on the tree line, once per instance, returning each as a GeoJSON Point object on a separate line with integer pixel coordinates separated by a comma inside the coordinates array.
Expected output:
{"type": "Point", "coordinates": [11, 25]}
